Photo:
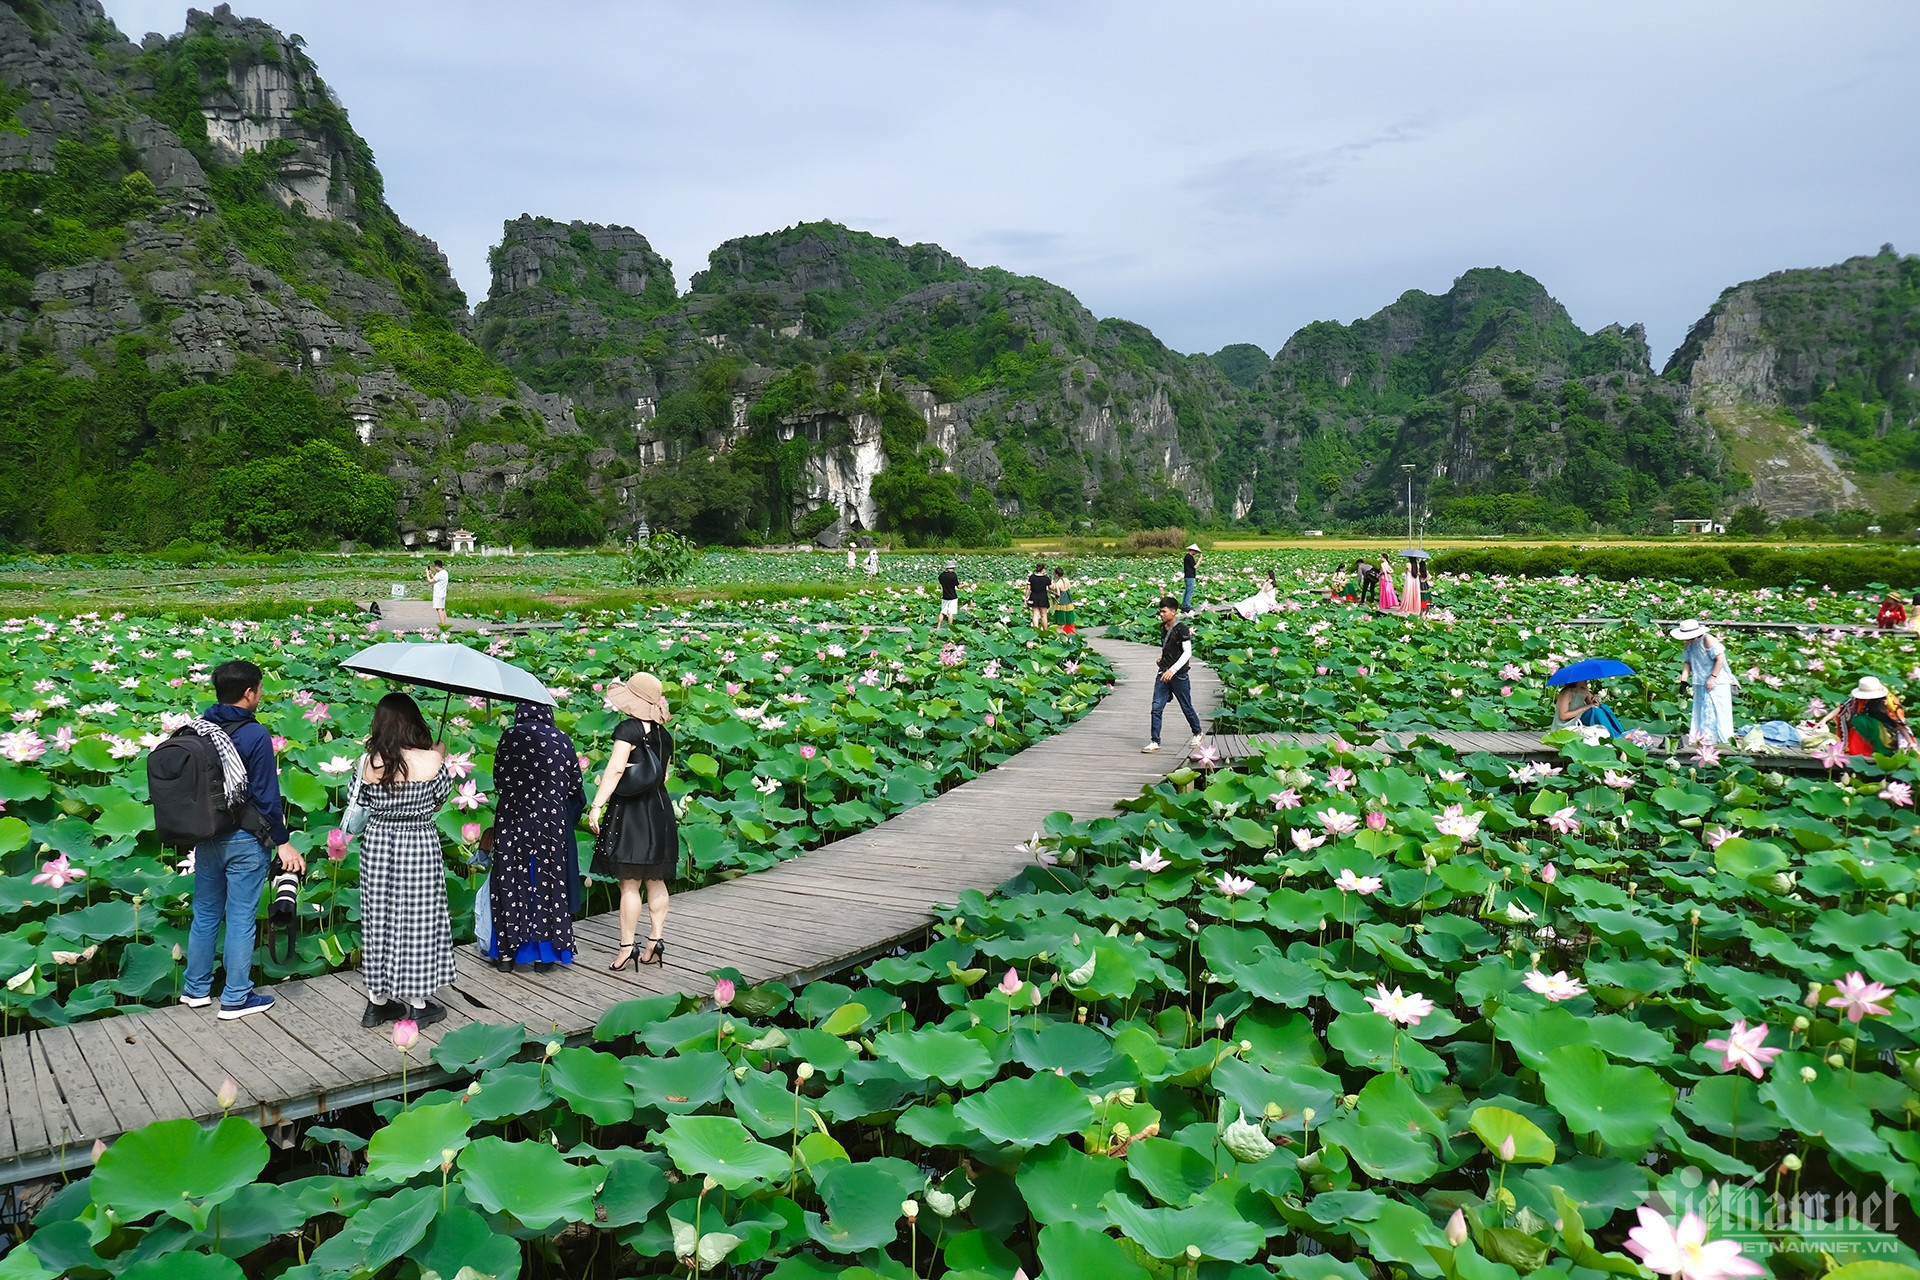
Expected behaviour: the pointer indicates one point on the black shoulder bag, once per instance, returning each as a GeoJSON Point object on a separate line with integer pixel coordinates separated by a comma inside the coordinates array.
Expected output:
{"type": "Point", "coordinates": [646, 769]}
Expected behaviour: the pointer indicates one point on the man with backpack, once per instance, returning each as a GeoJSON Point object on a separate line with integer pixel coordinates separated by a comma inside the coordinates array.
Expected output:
{"type": "Point", "coordinates": [235, 804]}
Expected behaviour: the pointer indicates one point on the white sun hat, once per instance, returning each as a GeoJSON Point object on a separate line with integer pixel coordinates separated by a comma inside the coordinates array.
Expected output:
{"type": "Point", "coordinates": [1869, 687]}
{"type": "Point", "coordinates": [1691, 629]}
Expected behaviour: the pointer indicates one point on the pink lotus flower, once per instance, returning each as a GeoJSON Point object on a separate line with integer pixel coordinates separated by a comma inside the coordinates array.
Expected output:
{"type": "Point", "coordinates": [316, 713]}
{"type": "Point", "coordinates": [1456, 823]}
{"type": "Point", "coordinates": [1339, 778]}
{"type": "Point", "coordinates": [1288, 799]}
{"type": "Point", "coordinates": [58, 873]}
{"type": "Point", "coordinates": [1555, 987]}
{"type": "Point", "coordinates": [1717, 836]}
{"type": "Point", "coordinates": [406, 1033]}
{"type": "Point", "coordinates": [1150, 862]}
{"type": "Point", "coordinates": [1233, 886]}
{"type": "Point", "coordinates": [1900, 793]}
{"type": "Point", "coordinates": [808, 751]}
{"type": "Point", "coordinates": [1617, 780]}
{"type": "Point", "coordinates": [1833, 755]}
{"type": "Point", "coordinates": [279, 744]}
{"type": "Point", "coordinates": [1511, 672]}
{"type": "Point", "coordinates": [337, 845]}
{"type": "Point", "coordinates": [1684, 1251]}
{"type": "Point", "coordinates": [732, 688]}
{"type": "Point", "coordinates": [302, 698]}
{"type": "Point", "coordinates": [1207, 756]}
{"type": "Point", "coordinates": [1305, 841]}
{"type": "Point", "coordinates": [1336, 823]}
{"type": "Point", "coordinates": [1563, 821]}
{"type": "Point", "coordinates": [1009, 985]}
{"type": "Point", "coordinates": [460, 764]}
{"type": "Point", "coordinates": [1347, 882]}
{"type": "Point", "coordinates": [469, 832]}
{"type": "Point", "coordinates": [470, 797]}
{"type": "Point", "coordinates": [1376, 821]}
{"type": "Point", "coordinates": [1745, 1047]}
{"type": "Point", "coordinates": [1549, 873]}
{"type": "Point", "coordinates": [1860, 998]}
{"type": "Point", "coordinates": [1407, 1010]}
{"type": "Point", "coordinates": [1706, 753]}
{"type": "Point", "coordinates": [1320, 671]}
{"type": "Point", "coordinates": [723, 993]}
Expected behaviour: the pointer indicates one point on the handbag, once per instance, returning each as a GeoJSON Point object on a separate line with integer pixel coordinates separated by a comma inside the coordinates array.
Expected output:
{"type": "Point", "coordinates": [645, 770]}
{"type": "Point", "coordinates": [355, 819]}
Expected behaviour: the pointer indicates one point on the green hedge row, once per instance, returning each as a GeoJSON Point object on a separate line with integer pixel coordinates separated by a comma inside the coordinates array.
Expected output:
{"type": "Point", "coordinates": [1842, 568]}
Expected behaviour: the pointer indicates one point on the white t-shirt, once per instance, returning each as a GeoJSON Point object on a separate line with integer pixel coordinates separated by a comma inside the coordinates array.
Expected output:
{"type": "Point", "coordinates": [440, 589]}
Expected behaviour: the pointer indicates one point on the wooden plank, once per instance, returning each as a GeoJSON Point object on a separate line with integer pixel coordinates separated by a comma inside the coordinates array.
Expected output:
{"type": "Point", "coordinates": [7, 1146]}
{"type": "Point", "coordinates": [169, 1091]}
{"type": "Point", "coordinates": [95, 1042]}
{"type": "Point", "coordinates": [188, 1036]}
{"type": "Point", "coordinates": [92, 1117]}
{"type": "Point", "coordinates": [27, 1120]}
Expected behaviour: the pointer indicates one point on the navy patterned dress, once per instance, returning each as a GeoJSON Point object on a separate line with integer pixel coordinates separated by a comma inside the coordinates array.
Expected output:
{"type": "Point", "coordinates": [535, 882]}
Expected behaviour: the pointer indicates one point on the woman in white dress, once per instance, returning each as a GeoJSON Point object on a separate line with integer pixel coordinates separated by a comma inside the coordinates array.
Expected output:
{"type": "Point", "coordinates": [1704, 666]}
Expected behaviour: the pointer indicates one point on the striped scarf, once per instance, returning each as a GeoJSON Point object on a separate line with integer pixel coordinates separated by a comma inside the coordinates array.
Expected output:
{"type": "Point", "coordinates": [233, 770]}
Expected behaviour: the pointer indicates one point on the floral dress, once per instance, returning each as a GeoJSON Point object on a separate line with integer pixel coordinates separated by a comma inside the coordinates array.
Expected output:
{"type": "Point", "coordinates": [406, 944]}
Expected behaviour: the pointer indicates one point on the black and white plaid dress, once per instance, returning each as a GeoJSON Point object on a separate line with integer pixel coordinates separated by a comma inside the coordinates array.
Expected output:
{"type": "Point", "coordinates": [406, 945]}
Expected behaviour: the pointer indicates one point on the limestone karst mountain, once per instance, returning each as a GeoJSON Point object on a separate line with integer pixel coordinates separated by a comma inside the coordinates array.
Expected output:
{"type": "Point", "coordinates": [213, 327]}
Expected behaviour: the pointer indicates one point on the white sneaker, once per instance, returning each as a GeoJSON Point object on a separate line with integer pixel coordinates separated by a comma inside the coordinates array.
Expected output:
{"type": "Point", "coordinates": [1151, 746]}
{"type": "Point", "coordinates": [196, 1002]}
{"type": "Point", "coordinates": [1197, 739]}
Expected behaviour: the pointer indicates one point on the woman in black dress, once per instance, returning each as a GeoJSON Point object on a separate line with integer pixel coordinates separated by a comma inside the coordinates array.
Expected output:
{"type": "Point", "coordinates": [636, 841]}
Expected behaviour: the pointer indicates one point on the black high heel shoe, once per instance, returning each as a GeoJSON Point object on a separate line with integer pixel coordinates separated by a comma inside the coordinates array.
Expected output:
{"type": "Point", "coordinates": [629, 959]}
{"type": "Point", "coordinates": [658, 955]}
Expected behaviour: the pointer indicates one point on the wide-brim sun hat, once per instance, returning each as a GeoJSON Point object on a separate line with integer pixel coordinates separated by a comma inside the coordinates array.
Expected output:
{"type": "Point", "coordinates": [1692, 629]}
{"type": "Point", "coordinates": [641, 696]}
{"type": "Point", "coordinates": [1193, 546]}
{"type": "Point", "coordinates": [1869, 687]}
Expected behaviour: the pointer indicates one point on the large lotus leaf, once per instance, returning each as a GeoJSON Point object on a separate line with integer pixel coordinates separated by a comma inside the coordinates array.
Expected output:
{"type": "Point", "coordinates": [1743, 858]}
{"type": "Point", "coordinates": [1536, 1033]}
{"type": "Point", "coordinates": [721, 1147]}
{"type": "Point", "coordinates": [1074, 1249]}
{"type": "Point", "coordinates": [863, 1203]}
{"type": "Point", "coordinates": [848, 1018]}
{"type": "Point", "coordinates": [381, 1232]}
{"type": "Point", "coordinates": [1625, 1106]}
{"type": "Point", "coordinates": [828, 1054]}
{"type": "Point", "coordinates": [178, 1168]}
{"type": "Point", "coordinates": [594, 1084]}
{"type": "Point", "coordinates": [632, 1189]}
{"type": "Point", "coordinates": [1389, 1100]}
{"type": "Point", "coordinates": [632, 1016]}
{"type": "Point", "coordinates": [1062, 1046]}
{"type": "Point", "coordinates": [1029, 1112]}
{"type": "Point", "coordinates": [458, 1238]}
{"type": "Point", "coordinates": [1062, 1184]}
{"type": "Point", "coordinates": [932, 1054]}
{"type": "Point", "coordinates": [767, 1104]}
{"type": "Point", "coordinates": [142, 967]}
{"type": "Point", "coordinates": [1382, 1150]}
{"type": "Point", "coordinates": [1293, 1089]}
{"type": "Point", "coordinates": [1172, 1171]}
{"type": "Point", "coordinates": [1210, 1226]}
{"type": "Point", "coordinates": [242, 1223]}
{"type": "Point", "coordinates": [1825, 1108]}
{"type": "Point", "coordinates": [1278, 1040]}
{"type": "Point", "coordinates": [868, 1089]}
{"type": "Point", "coordinates": [1403, 1234]}
{"type": "Point", "coordinates": [101, 922]}
{"type": "Point", "coordinates": [1691, 803]}
{"type": "Point", "coordinates": [1371, 1040]}
{"type": "Point", "coordinates": [479, 1046]}
{"type": "Point", "coordinates": [528, 1180]}
{"type": "Point", "coordinates": [174, 1266]}
{"type": "Point", "coordinates": [509, 1092]}
{"type": "Point", "coordinates": [126, 818]}
{"type": "Point", "coordinates": [417, 1140]}
{"type": "Point", "coordinates": [679, 1085]}
{"type": "Point", "coordinates": [1730, 1106]}
{"type": "Point", "coordinates": [1496, 1126]}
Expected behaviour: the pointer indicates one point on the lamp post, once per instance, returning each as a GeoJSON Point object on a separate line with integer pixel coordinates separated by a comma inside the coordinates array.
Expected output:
{"type": "Point", "coordinates": [1408, 468]}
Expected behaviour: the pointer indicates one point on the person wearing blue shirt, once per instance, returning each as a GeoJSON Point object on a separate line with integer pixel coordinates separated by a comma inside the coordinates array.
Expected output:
{"type": "Point", "coordinates": [229, 871]}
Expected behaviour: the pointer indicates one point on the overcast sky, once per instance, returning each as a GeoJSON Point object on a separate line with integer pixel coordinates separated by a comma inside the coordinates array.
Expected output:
{"type": "Point", "coordinates": [1218, 172]}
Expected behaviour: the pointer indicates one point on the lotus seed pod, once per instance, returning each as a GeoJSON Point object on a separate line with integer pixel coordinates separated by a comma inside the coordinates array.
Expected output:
{"type": "Point", "coordinates": [446, 1158]}
{"type": "Point", "coordinates": [1121, 1132]}
{"type": "Point", "coordinates": [1801, 1023]}
{"type": "Point", "coordinates": [1457, 1229]}
{"type": "Point", "coordinates": [1790, 1162]}
{"type": "Point", "coordinates": [553, 1047]}
{"type": "Point", "coordinates": [709, 1183]}
{"type": "Point", "coordinates": [804, 1071]}
{"type": "Point", "coordinates": [1307, 1115]}
{"type": "Point", "coordinates": [1274, 1111]}
{"type": "Point", "coordinates": [1808, 1075]}
{"type": "Point", "coordinates": [940, 1202]}
{"type": "Point", "coordinates": [1836, 1061]}
{"type": "Point", "coordinates": [1245, 1141]}
{"type": "Point", "coordinates": [1846, 1044]}
{"type": "Point", "coordinates": [1193, 1253]}
{"type": "Point", "coordinates": [910, 1208]}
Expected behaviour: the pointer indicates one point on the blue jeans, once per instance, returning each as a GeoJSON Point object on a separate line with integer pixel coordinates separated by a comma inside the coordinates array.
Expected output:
{"type": "Point", "coordinates": [1181, 688]}
{"type": "Point", "coordinates": [228, 874]}
{"type": "Point", "coordinates": [1186, 596]}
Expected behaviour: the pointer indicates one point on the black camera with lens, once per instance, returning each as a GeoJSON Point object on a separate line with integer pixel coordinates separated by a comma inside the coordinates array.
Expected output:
{"type": "Point", "coordinates": [283, 914]}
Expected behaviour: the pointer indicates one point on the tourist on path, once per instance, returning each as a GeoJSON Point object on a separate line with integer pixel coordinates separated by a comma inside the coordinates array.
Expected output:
{"type": "Point", "coordinates": [1583, 703]}
{"type": "Point", "coordinates": [1871, 721]}
{"type": "Point", "coordinates": [535, 880]}
{"type": "Point", "coordinates": [873, 562]}
{"type": "Point", "coordinates": [229, 870]}
{"type": "Point", "coordinates": [1892, 612]}
{"type": "Point", "coordinates": [437, 579]}
{"type": "Point", "coordinates": [406, 945]}
{"type": "Point", "coordinates": [637, 841]}
{"type": "Point", "coordinates": [1039, 596]}
{"type": "Point", "coordinates": [1703, 666]}
{"type": "Point", "coordinates": [1190, 575]}
{"type": "Point", "coordinates": [1389, 601]}
{"type": "Point", "coordinates": [1175, 673]}
{"type": "Point", "coordinates": [1062, 600]}
{"type": "Point", "coordinates": [949, 596]}
{"type": "Point", "coordinates": [1369, 580]}
{"type": "Point", "coordinates": [853, 557]}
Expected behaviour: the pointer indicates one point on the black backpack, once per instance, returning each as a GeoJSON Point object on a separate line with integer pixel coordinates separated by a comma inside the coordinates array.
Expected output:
{"type": "Point", "coordinates": [185, 788]}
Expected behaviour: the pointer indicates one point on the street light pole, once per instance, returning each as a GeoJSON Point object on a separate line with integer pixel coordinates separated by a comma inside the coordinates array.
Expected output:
{"type": "Point", "coordinates": [1408, 468]}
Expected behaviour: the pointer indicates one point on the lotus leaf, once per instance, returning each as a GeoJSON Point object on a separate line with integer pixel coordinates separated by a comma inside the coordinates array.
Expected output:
{"type": "Point", "coordinates": [1027, 1112]}
{"type": "Point", "coordinates": [929, 1053]}
{"type": "Point", "coordinates": [721, 1148]}
{"type": "Point", "coordinates": [384, 1230]}
{"type": "Point", "coordinates": [417, 1140]}
{"type": "Point", "coordinates": [458, 1239]}
{"type": "Point", "coordinates": [1623, 1106]}
{"type": "Point", "coordinates": [479, 1046]}
{"type": "Point", "coordinates": [1496, 1126]}
{"type": "Point", "coordinates": [863, 1203]}
{"type": "Point", "coordinates": [1076, 1249]}
{"type": "Point", "coordinates": [594, 1084]}
{"type": "Point", "coordinates": [679, 1085]}
{"type": "Point", "coordinates": [1211, 1227]}
{"type": "Point", "coordinates": [529, 1181]}
{"type": "Point", "coordinates": [177, 1168]}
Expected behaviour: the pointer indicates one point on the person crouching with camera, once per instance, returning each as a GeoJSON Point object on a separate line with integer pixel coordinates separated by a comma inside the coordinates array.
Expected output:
{"type": "Point", "coordinates": [229, 870]}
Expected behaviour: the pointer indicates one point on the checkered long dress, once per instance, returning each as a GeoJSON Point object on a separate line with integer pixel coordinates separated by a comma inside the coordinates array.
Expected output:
{"type": "Point", "coordinates": [406, 946]}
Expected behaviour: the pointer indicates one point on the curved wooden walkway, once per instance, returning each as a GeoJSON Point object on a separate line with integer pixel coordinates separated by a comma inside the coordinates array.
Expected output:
{"type": "Point", "coordinates": [64, 1087]}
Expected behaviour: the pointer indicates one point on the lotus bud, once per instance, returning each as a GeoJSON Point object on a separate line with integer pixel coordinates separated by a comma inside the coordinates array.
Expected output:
{"type": "Point", "coordinates": [553, 1047]}
{"type": "Point", "coordinates": [1813, 995]}
{"type": "Point", "coordinates": [228, 1094]}
{"type": "Point", "coordinates": [1274, 1111]}
{"type": "Point", "coordinates": [99, 1149]}
{"type": "Point", "coordinates": [1507, 1151]}
{"type": "Point", "coordinates": [804, 1071]}
{"type": "Point", "coordinates": [1219, 1019]}
{"type": "Point", "coordinates": [1790, 1162]}
{"type": "Point", "coordinates": [1307, 1115]}
{"type": "Point", "coordinates": [708, 1183]}
{"type": "Point", "coordinates": [1808, 1075]}
{"type": "Point", "coordinates": [1800, 1023]}
{"type": "Point", "coordinates": [911, 1208]}
{"type": "Point", "coordinates": [446, 1158]}
{"type": "Point", "coordinates": [1457, 1229]}
{"type": "Point", "coordinates": [178, 954]}
{"type": "Point", "coordinates": [1836, 1061]}
{"type": "Point", "coordinates": [940, 1202]}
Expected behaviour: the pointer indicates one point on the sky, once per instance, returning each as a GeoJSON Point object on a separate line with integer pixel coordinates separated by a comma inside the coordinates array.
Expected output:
{"type": "Point", "coordinates": [1219, 172]}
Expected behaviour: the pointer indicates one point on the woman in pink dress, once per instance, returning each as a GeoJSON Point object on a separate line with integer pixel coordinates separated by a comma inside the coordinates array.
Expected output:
{"type": "Point", "coordinates": [1389, 602]}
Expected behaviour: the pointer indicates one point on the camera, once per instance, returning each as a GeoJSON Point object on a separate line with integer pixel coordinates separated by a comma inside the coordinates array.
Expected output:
{"type": "Point", "coordinates": [286, 898]}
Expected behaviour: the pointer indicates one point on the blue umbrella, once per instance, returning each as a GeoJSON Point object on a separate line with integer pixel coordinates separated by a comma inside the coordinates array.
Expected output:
{"type": "Point", "coordinates": [1589, 669]}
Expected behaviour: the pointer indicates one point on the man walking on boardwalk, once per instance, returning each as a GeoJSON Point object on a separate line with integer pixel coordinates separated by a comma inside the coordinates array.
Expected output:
{"type": "Point", "coordinates": [229, 870]}
{"type": "Point", "coordinates": [1174, 680]}
{"type": "Point", "coordinates": [949, 596]}
{"type": "Point", "coordinates": [1190, 574]}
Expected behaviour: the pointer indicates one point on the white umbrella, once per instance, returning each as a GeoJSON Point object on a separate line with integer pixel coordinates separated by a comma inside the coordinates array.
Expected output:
{"type": "Point", "coordinates": [451, 668]}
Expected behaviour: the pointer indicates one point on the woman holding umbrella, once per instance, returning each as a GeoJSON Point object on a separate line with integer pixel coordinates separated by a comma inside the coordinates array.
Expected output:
{"type": "Point", "coordinates": [406, 945]}
{"type": "Point", "coordinates": [637, 842]}
{"type": "Point", "coordinates": [1579, 701]}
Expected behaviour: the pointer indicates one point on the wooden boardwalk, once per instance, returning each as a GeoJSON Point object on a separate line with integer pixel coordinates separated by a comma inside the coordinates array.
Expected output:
{"type": "Point", "coordinates": [65, 1087]}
